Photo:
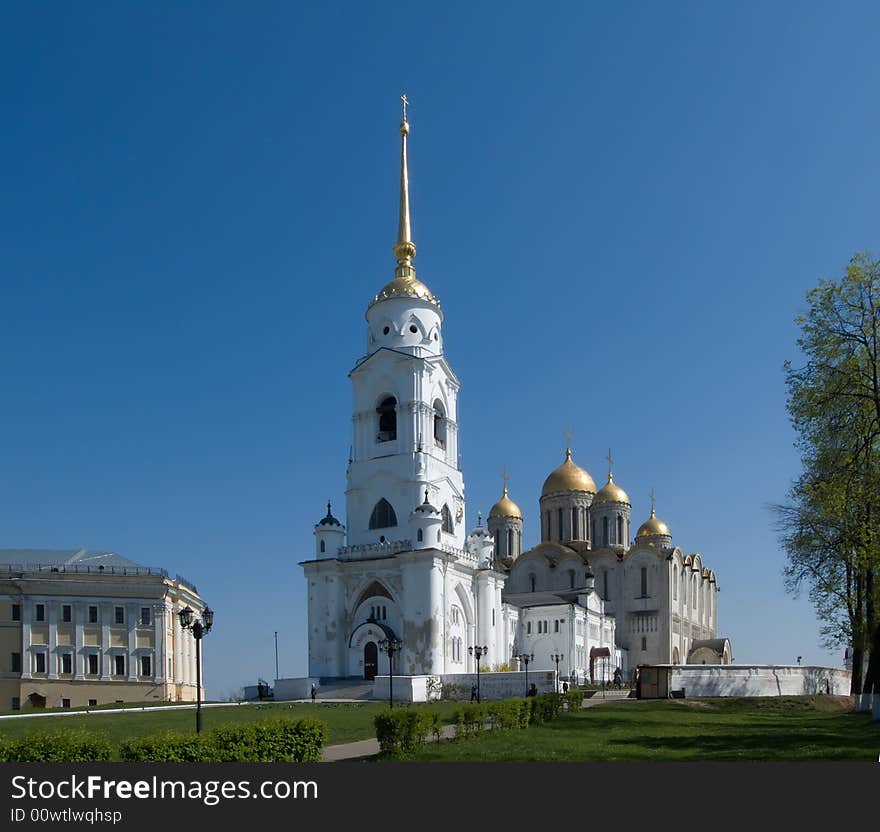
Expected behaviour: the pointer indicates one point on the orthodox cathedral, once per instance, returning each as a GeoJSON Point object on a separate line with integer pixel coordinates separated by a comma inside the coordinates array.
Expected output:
{"type": "Point", "coordinates": [588, 599]}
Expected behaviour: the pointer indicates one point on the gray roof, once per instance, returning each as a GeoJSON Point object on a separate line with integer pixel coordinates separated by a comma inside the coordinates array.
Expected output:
{"type": "Point", "coordinates": [716, 644]}
{"type": "Point", "coordinates": [77, 560]}
{"type": "Point", "coordinates": [542, 599]}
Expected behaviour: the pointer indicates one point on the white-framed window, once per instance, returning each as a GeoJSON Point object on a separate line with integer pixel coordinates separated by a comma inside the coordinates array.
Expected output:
{"type": "Point", "coordinates": [39, 662]}
{"type": "Point", "coordinates": [66, 662]}
{"type": "Point", "coordinates": [146, 666]}
{"type": "Point", "coordinates": [119, 615]}
{"type": "Point", "coordinates": [39, 612]}
{"type": "Point", "coordinates": [119, 665]}
{"type": "Point", "coordinates": [66, 613]}
{"type": "Point", "coordinates": [146, 616]}
{"type": "Point", "coordinates": [91, 664]}
{"type": "Point", "coordinates": [93, 614]}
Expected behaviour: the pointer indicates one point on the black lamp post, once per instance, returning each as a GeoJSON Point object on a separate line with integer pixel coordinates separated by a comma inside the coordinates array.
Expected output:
{"type": "Point", "coordinates": [200, 628]}
{"type": "Point", "coordinates": [526, 658]}
{"type": "Point", "coordinates": [391, 646]}
{"type": "Point", "coordinates": [557, 657]}
{"type": "Point", "coordinates": [478, 652]}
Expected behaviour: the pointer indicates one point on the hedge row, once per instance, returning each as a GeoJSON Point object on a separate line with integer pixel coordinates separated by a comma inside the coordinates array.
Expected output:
{"type": "Point", "coordinates": [400, 732]}
{"type": "Point", "coordinates": [266, 741]}
{"type": "Point", "coordinates": [66, 746]}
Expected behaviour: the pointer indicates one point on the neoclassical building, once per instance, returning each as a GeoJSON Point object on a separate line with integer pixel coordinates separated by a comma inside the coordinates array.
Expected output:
{"type": "Point", "coordinates": [402, 566]}
{"type": "Point", "coordinates": [80, 628]}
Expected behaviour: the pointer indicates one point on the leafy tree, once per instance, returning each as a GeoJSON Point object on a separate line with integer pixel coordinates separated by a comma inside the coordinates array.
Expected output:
{"type": "Point", "coordinates": [829, 528]}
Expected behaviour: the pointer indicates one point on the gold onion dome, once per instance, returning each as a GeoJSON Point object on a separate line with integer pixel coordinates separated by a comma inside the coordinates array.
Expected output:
{"type": "Point", "coordinates": [505, 507]}
{"type": "Point", "coordinates": [403, 287]}
{"type": "Point", "coordinates": [611, 493]}
{"type": "Point", "coordinates": [568, 477]}
{"type": "Point", "coordinates": [653, 526]}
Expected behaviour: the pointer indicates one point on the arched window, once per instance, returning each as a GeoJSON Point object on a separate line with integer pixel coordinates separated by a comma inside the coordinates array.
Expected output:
{"type": "Point", "coordinates": [619, 530]}
{"type": "Point", "coordinates": [559, 513]}
{"type": "Point", "coordinates": [383, 516]}
{"type": "Point", "coordinates": [604, 531]}
{"type": "Point", "coordinates": [510, 543]}
{"type": "Point", "coordinates": [571, 578]}
{"type": "Point", "coordinates": [675, 586]}
{"type": "Point", "coordinates": [447, 520]}
{"type": "Point", "coordinates": [644, 576]}
{"type": "Point", "coordinates": [323, 547]}
{"type": "Point", "coordinates": [575, 526]}
{"type": "Point", "coordinates": [439, 424]}
{"type": "Point", "coordinates": [387, 411]}
{"type": "Point", "coordinates": [420, 536]}
{"type": "Point", "coordinates": [532, 581]}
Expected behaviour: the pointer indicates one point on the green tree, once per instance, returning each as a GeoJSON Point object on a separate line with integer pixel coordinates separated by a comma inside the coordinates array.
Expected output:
{"type": "Point", "coordinates": [829, 528]}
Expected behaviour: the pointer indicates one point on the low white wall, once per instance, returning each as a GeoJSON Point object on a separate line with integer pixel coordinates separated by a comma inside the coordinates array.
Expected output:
{"type": "Point", "coordinates": [757, 680]}
{"type": "Point", "coordinates": [300, 688]}
{"type": "Point", "coordinates": [492, 685]}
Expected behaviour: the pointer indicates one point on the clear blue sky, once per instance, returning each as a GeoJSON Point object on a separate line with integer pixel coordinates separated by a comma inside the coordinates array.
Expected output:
{"type": "Point", "coordinates": [621, 210]}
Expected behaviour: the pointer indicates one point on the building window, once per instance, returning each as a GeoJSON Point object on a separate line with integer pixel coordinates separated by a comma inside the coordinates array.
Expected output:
{"type": "Point", "coordinates": [439, 424]}
{"type": "Point", "coordinates": [67, 663]}
{"type": "Point", "coordinates": [93, 703]}
{"type": "Point", "coordinates": [93, 615]}
{"type": "Point", "coordinates": [593, 531]}
{"type": "Point", "coordinates": [40, 612]}
{"type": "Point", "coordinates": [620, 540]}
{"type": "Point", "coordinates": [387, 411]}
{"type": "Point", "coordinates": [119, 665]}
{"type": "Point", "coordinates": [383, 516]}
{"type": "Point", "coordinates": [146, 616]}
{"type": "Point", "coordinates": [92, 664]}
{"type": "Point", "coordinates": [556, 626]}
{"type": "Point", "coordinates": [146, 666]}
{"type": "Point", "coordinates": [605, 584]}
{"type": "Point", "coordinates": [16, 612]}
{"type": "Point", "coordinates": [323, 547]}
{"type": "Point", "coordinates": [604, 531]}
{"type": "Point", "coordinates": [510, 543]}
{"type": "Point", "coordinates": [16, 662]}
{"type": "Point", "coordinates": [66, 613]}
{"type": "Point", "coordinates": [675, 583]}
{"type": "Point", "coordinates": [532, 582]}
{"type": "Point", "coordinates": [644, 582]}
{"type": "Point", "coordinates": [644, 643]}
{"type": "Point", "coordinates": [559, 520]}
{"type": "Point", "coordinates": [493, 617]}
{"type": "Point", "coordinates": [574, 524]}
{"type": "Point", "coordinates": [571, 578]}
{"type": "Point", "coordinates": [528, 628]}
{"type": "Point", "coordinates": [419, 536]}
{"type": "Point", "coordinates": [16, 703]}
{"type": "Point", "coordinates": [39, 662]}
{"type": "Point", "coordinates": [447, 519]}
{"type": "Point", "coordinates": [119, 615]}
{"type": "Point", "coordinates": [65, 703]}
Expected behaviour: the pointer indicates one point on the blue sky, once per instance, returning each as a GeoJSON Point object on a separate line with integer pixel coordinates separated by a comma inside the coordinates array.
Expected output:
{"type": "Point", "coordinates": [621, 210]}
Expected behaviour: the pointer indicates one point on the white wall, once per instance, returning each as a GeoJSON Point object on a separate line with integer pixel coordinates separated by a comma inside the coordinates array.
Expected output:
{"type": "Point", "coordinates": [757, 680]}
{"type": "Point", "coordinates": [492, 685]}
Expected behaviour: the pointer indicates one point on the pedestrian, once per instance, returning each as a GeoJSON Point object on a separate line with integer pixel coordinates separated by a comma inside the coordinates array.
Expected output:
{"type": "Point", "coordinates": [473, 692]}
{"type": "Point", "coordinates": [564, 688]}
{"type": "Point", "coordinates": [618, 678]}
{"type": "Point", "coordinates": [533, 690]}
{"type": "Point", "coordinates": [314, 691]}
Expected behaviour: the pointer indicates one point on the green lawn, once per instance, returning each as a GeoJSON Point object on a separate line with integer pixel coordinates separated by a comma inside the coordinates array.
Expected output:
{"type": "Point", "coordinates": [345, 722]}
{"type": "Point", "coordinates": [785, 728]}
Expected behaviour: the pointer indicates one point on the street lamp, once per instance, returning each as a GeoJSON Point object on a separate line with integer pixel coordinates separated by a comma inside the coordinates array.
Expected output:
{"type": "Point", "coordinates": [200, 628]}
{"type": "Point", "coordinates": [557, 657]}
{"type": "Point", "coordinates": [479, 652]}
{"type": "Point", "coordinates": [391, 646]}
{"type": "Point", "coordinates": [526, 658]}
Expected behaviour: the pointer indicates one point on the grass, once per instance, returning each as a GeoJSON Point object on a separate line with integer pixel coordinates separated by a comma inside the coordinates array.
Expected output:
{"type": "Point", "coordinates": [767, 729]}
{"type": "Point", "coordinates": [345, 722]}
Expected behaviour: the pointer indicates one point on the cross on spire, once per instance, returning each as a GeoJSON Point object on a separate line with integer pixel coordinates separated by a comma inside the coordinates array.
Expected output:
{"type": "Point", "coordinates": [568, 436]}
{"type": "Point", "coordinates": [405, 101]}
{"type": "Point", "coordinates": [610, 464]}
{"type": "Point", "coordinates": [652, 501]}
{"type": "Point", "coordinates": [505, 477]}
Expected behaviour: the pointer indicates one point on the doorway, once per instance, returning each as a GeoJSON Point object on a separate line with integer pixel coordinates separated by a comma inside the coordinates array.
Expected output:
{"type": "Point", "coordinates": [371, 660]}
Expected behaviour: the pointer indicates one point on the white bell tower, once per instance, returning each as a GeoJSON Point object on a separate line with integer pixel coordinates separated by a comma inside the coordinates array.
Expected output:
{"type": "Point", "coordinates": [405, 410]}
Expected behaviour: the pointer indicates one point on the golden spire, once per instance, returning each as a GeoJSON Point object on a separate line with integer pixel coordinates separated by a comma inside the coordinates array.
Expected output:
{"type": "Point", "coordinates": [404, 248]}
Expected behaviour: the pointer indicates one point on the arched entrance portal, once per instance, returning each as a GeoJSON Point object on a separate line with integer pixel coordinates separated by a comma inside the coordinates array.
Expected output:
{"type": "Point", "coordinates": [371, 660]}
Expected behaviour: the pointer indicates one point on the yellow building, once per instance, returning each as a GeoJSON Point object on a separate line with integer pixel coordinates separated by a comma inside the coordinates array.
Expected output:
{"type": "Point", "coordinates": [80, 628]}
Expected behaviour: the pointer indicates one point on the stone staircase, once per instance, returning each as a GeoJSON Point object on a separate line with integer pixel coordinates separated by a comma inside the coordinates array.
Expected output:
{"type": "Point", "coordinates": [346, 689]}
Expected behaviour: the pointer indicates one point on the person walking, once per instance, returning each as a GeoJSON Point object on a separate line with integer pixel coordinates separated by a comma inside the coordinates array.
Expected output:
{"type": "Point", "coordinates": [314, 691]}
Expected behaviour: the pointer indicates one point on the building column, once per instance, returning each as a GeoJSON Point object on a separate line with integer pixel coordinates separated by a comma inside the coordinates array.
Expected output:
{"type": "Point", "coordinates": [52, 656]}
{"type": "Point", "coordinates": [27, 613]}
{"type": "Point", "coordinates": [158, 612]}
{"type": "Point", "coordinates": [105, 611]}
{"type": "Point", "coordinates": [78, 657]}
{"type": "Point", "coordinates": [133, 611]}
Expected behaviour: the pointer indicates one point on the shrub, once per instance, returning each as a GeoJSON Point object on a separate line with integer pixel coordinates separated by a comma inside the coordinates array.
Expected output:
{"type": "Point", "coordinates": [276, 740]}
{"type": "Point", "coordinates": [471, 719]}
{"type": "Point", "coordinates": [266, 741]}
{"type": "Point", "coordinates": [400, 732]}
{"type": "Point", "coordinates": [168, 747]}
{"type": "Point", "coordinates": [58, 747]}
{"type": "Point", "coordinates": [505, 714]}
{"type": "Point", "coordinates": [436, 725]}
{"type": "Point", "coordinates": [574, 698]}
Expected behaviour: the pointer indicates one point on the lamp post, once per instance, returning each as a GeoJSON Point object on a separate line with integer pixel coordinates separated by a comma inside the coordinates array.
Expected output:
{"type": "Point", "coordinates": [557, 657]}
{"type": "Point", "coordinates": [526, 658]}
{"type": "Point", "coordinates": [391, 646]}
{"type": "Point", "coordinates": [478, 652]}
{"type": "Point", "coordinates": [200, 628]}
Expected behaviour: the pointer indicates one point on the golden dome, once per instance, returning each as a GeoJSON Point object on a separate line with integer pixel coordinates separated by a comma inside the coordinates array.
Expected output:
{"type": "Point", "coordinates": [611, 493]}
{"type": "Point", "coordinates": [406, 287]}
{"type": "Point", "coordinates": [652, 526]}
{"type": "Point", "coordinates": [505, 507]}
{"type": "Point", "coordinates": [568, 477]}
